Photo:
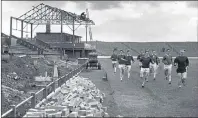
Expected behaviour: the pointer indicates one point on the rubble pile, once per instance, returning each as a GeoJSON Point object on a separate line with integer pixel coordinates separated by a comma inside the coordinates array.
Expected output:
{"type": "Point", "coordinates": [11, 97]}
{"type": "Point", "coordinates": [65, 67]}
{"type": "Point", "coordinates": [43, 66]}
{"type": "Point", "coordinates": [78, 98]}
{"type": "Point", "coordinates": [18, 72]}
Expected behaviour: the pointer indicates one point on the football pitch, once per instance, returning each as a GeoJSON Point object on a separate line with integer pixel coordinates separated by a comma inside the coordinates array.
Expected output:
{"type": "Point", "coordinates": [158, 98]}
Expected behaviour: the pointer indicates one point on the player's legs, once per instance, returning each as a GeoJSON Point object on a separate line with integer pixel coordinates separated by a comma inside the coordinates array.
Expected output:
{"type": "Point", "coordinates": [166, 71]}
{"type": "Point", "coordinates": [114, 66]}
{"type": "Point", "coordinates": [146, 71]}
{"type": "Point", "coordinates": [169, 73]}
{"type": "Point", "coordinates": [121, 71]}
{"type": "Point", "coordinates": [120, 68]}
{"type": "Point", "coordinates": [184, 76]}
{"type": "Point", "coordinates": [141, 73]}
{"type": "Point", "coordinates": [140, 65]}
{"type": "Point", "coordinates": [180, 79]}
{"type": "Point", "coordinates": [151, 68]}
{"type": "Point", "coordinates": [128, 70]}
{"type": "Point", "coordinates": [155, 71]}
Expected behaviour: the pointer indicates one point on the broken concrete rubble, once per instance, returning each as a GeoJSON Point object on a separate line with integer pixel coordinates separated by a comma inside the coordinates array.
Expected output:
{"type": "Point", "coordinates": [79, 98]}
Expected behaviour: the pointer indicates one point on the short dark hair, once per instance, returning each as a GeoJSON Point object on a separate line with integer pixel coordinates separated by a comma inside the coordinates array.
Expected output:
{"type": "Point", "coordinates": [128, 50]}
{"type": "Point", "coordinates": [167, 49]}
{"type": "Point", "coordinates": [121, 50]}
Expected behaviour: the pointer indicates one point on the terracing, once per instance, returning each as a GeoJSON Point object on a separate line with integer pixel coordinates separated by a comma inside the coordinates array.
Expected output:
{"type": "Point", "coordinates": [106, 48]}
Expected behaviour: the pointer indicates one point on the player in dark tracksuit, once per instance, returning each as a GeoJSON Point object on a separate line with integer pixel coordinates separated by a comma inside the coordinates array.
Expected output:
{"type": "Point", "coordinates": [129, 62]}
{"type": "Point", "coordinates": [146, 61]}
{"type": "Point", "coordinates": [182, 64]}
{"type": "Point", "coordinates": [114, 59]}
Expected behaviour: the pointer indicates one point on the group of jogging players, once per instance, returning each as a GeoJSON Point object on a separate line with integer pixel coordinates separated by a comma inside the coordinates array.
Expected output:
{"type": "Point", "coordinates": [149, 63]}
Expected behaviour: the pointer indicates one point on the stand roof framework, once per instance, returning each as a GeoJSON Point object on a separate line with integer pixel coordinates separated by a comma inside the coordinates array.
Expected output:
{"type": "Point", "coordinates": [44, 14]}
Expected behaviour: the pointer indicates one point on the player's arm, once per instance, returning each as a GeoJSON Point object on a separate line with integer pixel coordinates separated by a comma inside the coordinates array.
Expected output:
{"type": "Point", "coordinates": [151, 61]}
{"type": "Point", "coordinates": [187, 62]}
{"type": "Point", "coordinates": [141, 59]}
{"type": "Point", "coordinates": [138, 57]}
{"type": "Point", "coordinates": [111, 57]}
{"type": "Point", "coordinates": [176, 61]}
{"type": "Point", "coordinates": [124, 58]}
{"type": "Point", "coordinates": [158, 60]}
{"type": "Point", "coordinates": [163, 59]}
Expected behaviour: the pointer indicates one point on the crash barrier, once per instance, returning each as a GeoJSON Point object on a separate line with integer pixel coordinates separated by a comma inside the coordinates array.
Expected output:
{"type": "Point", "coordinates": [43, 94]}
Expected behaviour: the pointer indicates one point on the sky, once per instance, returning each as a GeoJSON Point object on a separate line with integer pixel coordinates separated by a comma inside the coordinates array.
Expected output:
{"type": "Point", "coordinates": [121, 21]}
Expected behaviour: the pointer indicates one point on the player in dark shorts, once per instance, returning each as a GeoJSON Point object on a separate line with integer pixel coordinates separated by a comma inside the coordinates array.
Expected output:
{"type": "Point", "coordinates": [129, 62]}
{"type": "Point", "coordinates": [182, 63]}
{"type": "Point", "coordinates": [146, 61]}
{"type": "Point", "coordinates": [154, 67]}
{"type": "Point", "coordinates": [114, 59]}
{"type": "Point", "coordinates": [121, 61]}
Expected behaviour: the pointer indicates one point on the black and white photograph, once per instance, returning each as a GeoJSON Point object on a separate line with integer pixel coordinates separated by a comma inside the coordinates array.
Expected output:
{"type": "Point", "coordinates": [99, 59]}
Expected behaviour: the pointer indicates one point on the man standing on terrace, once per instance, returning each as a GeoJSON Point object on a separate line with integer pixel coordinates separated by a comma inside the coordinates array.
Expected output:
{"type": "Point", "coordinates": [114, 58]}
{"type": "Point", "coordinates": [167, 60]}
{"type": "Point", "coordinates": [129, 62]}
{"type": "Point", "coordinates": [121, 61]}
{"type": "Point", "coordinates": [182, 64]}
{"type": "Point", "coordinates": [146, 61]}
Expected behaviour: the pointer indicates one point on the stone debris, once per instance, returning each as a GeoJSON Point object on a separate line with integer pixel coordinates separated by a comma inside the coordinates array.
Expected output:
{"type": "Point", "coordinates": [78, 98]}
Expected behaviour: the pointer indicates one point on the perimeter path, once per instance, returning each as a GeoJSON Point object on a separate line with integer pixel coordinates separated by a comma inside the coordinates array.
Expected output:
{"type": "Point", "coordinates": [158, 98]}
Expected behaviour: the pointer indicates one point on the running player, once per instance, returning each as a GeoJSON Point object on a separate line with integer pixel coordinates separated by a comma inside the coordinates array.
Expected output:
{"type": "Point", "coordinates": [129, 62]}
{"type": "Point", "coordinates": [167, 60]}
{"type": "Point", "coordinates": [114, 60]}
{"type": "Point", "coordinates": [139, 57]}
{"type": "Point", "coordinates": [121, 62]}
{"type": "Point", "coordinates": [154, 66]}
{"type": "Point", "coordinates": [182, 64]}
{"type": "Point", "coordinates": [146, 60]}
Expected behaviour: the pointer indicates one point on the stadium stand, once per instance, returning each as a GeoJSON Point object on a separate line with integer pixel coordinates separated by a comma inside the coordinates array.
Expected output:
{"type": "Point", "coordinates": [107, 47]}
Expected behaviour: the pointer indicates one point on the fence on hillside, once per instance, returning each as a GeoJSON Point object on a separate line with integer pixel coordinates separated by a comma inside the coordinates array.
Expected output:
{"type": "Point", "coordinates": [43, 94]}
